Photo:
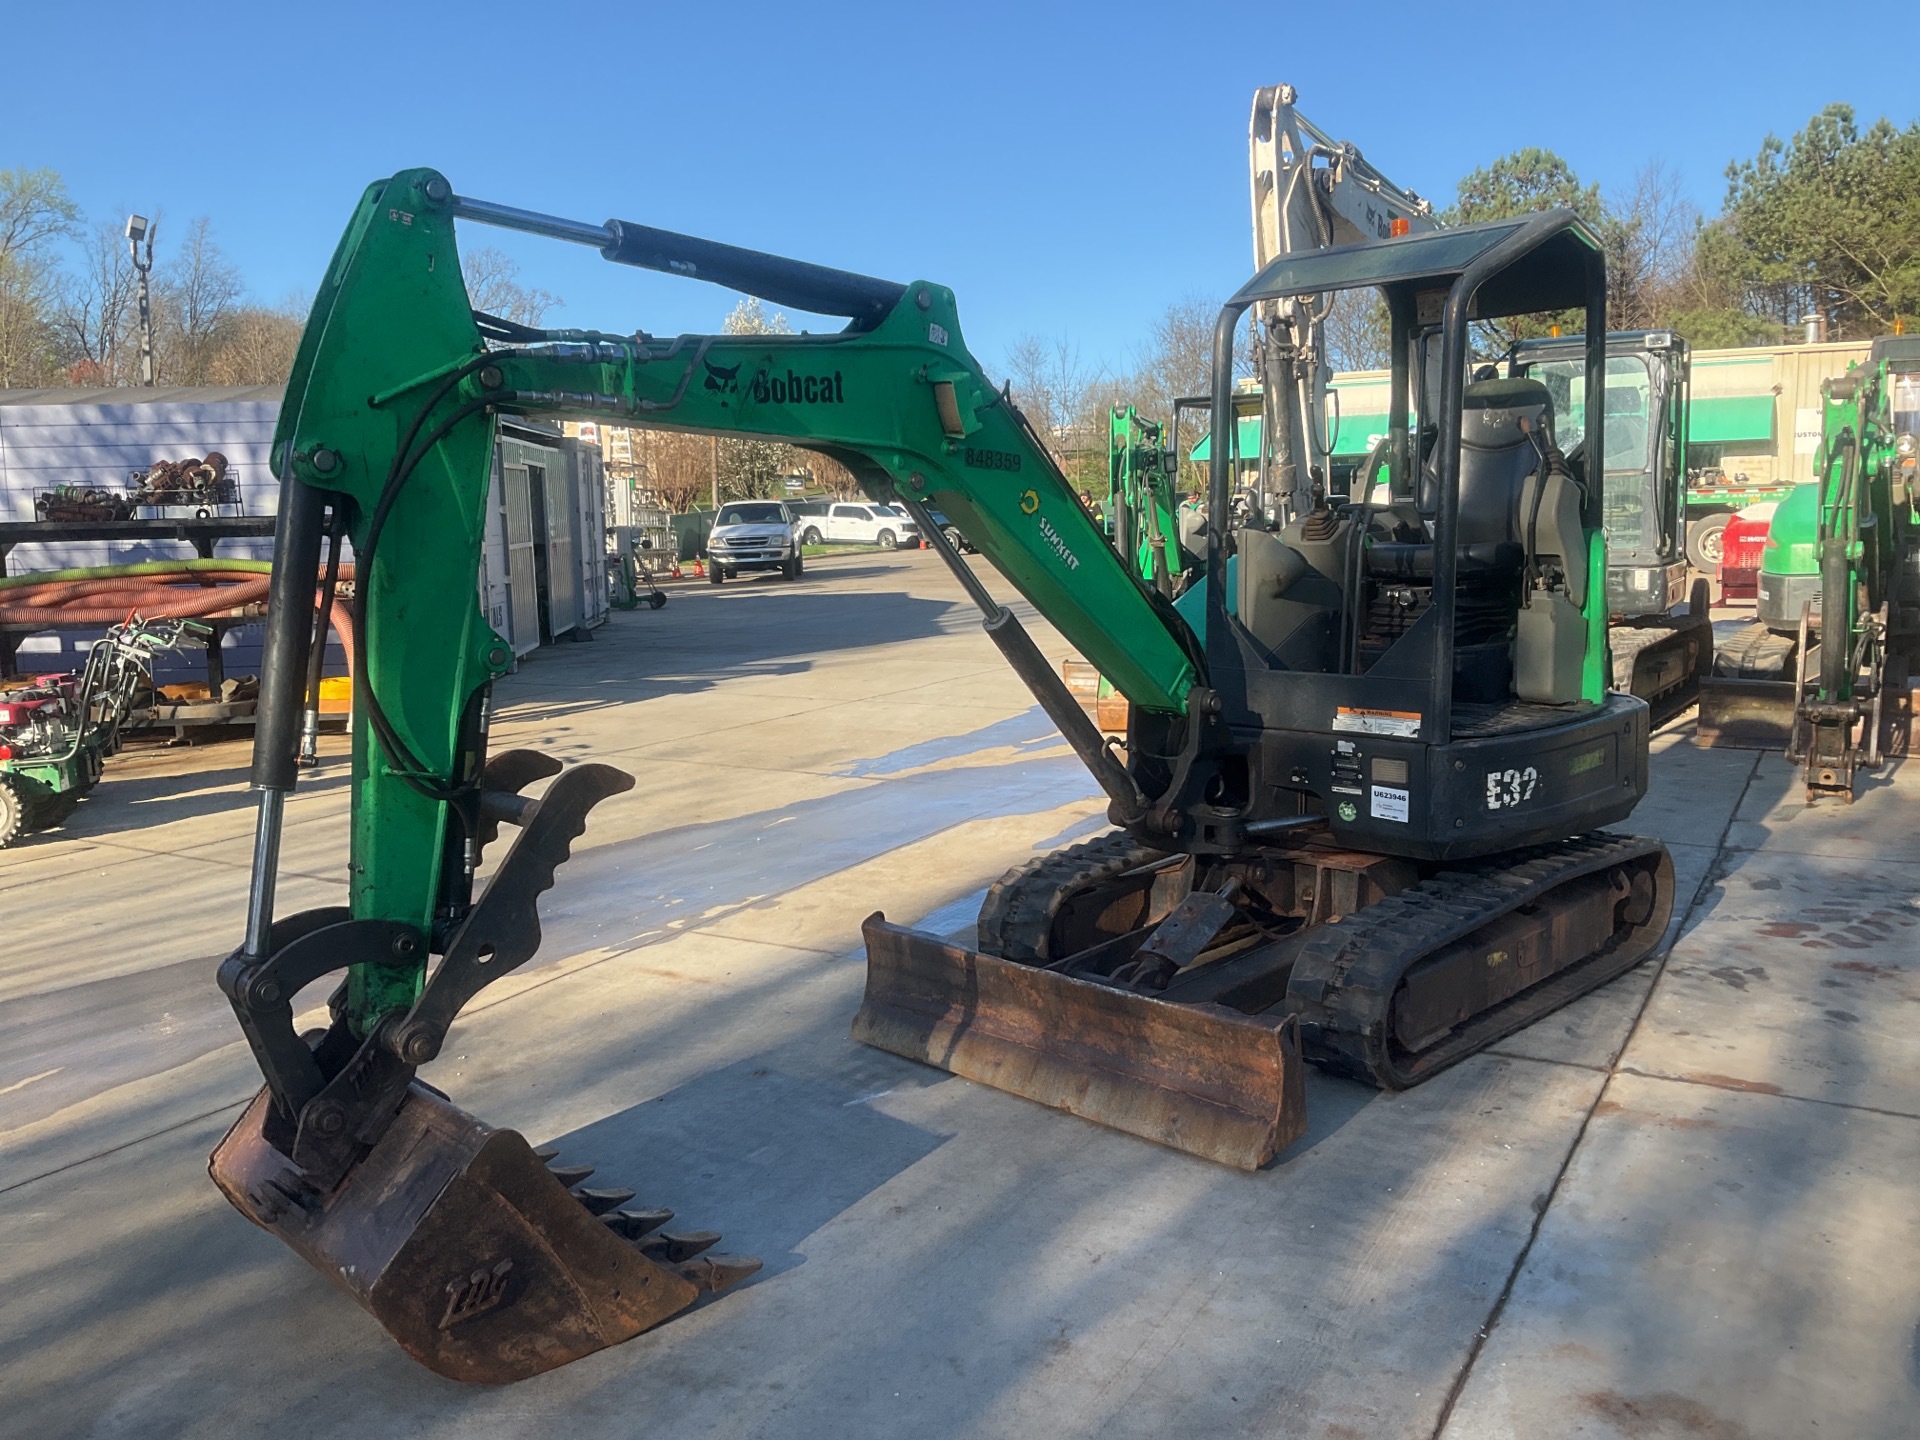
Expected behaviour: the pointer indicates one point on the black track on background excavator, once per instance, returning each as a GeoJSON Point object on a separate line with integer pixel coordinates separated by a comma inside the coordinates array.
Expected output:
{"type": "Point", "coordinates": [1665, 660]}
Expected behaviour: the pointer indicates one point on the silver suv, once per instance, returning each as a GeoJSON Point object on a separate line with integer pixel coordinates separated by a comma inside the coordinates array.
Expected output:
{"type": "Point", "coordinates": [752, 535]}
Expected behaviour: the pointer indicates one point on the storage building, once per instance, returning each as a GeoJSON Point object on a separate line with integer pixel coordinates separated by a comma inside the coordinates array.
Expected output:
{"type": "Point", "coordinates": [543, 574]}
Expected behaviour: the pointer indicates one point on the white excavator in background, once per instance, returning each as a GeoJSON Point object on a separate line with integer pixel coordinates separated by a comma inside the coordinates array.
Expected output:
{"type": "Point", "coordinates": [1310, 192]}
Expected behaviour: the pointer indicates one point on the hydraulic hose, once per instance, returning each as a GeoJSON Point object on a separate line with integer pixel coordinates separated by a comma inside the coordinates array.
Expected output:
{"type": "Point", "coordinates": [138, 567]}
{"type": "Point", "coordinates": [158, 590]}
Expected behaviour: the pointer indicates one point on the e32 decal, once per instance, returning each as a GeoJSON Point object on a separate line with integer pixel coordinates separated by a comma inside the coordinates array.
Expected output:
{"type": "Point", "coordinates": [1507, 788]}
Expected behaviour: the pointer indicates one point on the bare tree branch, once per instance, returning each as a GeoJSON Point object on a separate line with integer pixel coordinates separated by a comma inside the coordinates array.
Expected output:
{"type": "Point", "coordinates": [493, 286]}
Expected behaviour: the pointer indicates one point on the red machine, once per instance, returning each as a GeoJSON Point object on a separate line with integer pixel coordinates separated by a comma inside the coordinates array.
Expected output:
{"type": "Point", "coordinates": [1741, 542]}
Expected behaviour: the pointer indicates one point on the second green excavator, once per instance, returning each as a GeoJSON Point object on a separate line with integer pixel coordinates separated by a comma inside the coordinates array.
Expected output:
{"type": "Point", "coordinates": [1826, 669]}
{"type": "Point", "coordinates": [1358, 814]}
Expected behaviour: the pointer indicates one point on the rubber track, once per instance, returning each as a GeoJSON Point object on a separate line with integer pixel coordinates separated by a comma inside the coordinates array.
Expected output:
{"type": "Point", "coordinates": [1018, 912]}
{"type": "Point", "coordinates": [1630, 642]}
{"type": "Point", "coordinates": [1756, 653]}
{"type": "Point", "coordinates": [1346, 976]}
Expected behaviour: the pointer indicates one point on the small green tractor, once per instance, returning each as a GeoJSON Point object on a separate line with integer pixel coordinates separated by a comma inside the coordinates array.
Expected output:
{"type": "Point", "coordinates": [56, 731]}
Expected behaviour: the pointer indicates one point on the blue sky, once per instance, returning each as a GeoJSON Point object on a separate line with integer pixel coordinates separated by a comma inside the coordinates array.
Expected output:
{"type": "Point", "coordinates": [1068, 169]}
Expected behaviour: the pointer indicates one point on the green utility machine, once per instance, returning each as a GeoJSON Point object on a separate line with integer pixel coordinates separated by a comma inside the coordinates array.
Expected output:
{"type": "Point", "coordinates": [1825, 669]}
{"type": "Point", "coordinates": [56, 731]}
{"type": "Point", "coordinates": [1143, 499]}
{"type": "Point", "coordinates": [1358, 821]}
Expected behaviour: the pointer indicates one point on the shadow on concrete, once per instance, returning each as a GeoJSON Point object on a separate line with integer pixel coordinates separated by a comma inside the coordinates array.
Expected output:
{"type": "Point", "coordinates": [126, 804]}
{"type": "Point", "coordinates": [743, 1136]}
{"type": "Point", "coordinates": [1146, 1292]}
{"type": "Point", "coordinates": [1764, 788]}
{"type": "Point", "coordinates": [1332, 1101]}
{"type": "Point", "coordinates": [723, 634]}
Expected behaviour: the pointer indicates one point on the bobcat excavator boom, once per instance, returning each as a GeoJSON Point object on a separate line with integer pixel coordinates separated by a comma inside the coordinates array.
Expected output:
{"type": "Point", "coordinates": [483, 1262]}
{"type": "Point", "coordinates": [1399, 722]}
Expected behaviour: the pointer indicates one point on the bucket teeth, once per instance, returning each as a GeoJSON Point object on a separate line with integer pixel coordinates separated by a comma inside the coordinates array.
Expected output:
{"type": "Point", "coordinates": [714, 1273]}
{"type": "Point", "coordinates": [670, 1249]}
{"type": "Point", "coordinates": [599, 1201]}
{"type": "Point", "coordinates": [681, 1251]}
{"type": "Point", "coordinates": [633, 1224]}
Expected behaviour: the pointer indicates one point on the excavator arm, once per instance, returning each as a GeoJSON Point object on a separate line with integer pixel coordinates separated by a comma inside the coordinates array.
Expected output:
{"type": "Point", "coordinates": [390, 417]}
{"type": "Point", "coordinates": [385, 439]}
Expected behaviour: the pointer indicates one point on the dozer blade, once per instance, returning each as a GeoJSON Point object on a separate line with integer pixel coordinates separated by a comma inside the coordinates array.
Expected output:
{"type": "Point", "coordinates": [1747, 714]}
{"type": "Point", "coordinates": [1200, 1078]}
{"type": "Point", "coordinates": [463, 1244]}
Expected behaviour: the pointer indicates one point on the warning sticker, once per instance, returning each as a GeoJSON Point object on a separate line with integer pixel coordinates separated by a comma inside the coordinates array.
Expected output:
{"type": "Point", "coordinates": [1389, 804]}
{"type": "Point", "coordinates": [1404, 723]}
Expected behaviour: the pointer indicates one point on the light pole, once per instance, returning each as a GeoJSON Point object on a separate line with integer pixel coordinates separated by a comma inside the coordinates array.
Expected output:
{"type": "Point", "coordinates": [139, 229]}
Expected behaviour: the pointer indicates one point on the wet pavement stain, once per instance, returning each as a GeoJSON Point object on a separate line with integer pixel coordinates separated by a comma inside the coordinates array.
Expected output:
{"type": "Point", "coordinates": [1732, 1082]}
{"type": "Point", "coordinates": [1871, 971]}
{"type": "Point", "coordinates": [1665, 1122]}
{"type": "Point", "coordinates": [1644, 1417]}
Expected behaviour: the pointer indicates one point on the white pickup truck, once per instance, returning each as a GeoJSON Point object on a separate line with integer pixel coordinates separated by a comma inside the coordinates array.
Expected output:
{"type": "Point", "coordinates": [839, 522]}
{"type": "Point", "coordinates": [753, 535]}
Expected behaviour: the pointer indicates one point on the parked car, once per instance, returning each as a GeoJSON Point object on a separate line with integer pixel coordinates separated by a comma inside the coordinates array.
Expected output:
{"type": "Point", "coordinates": [910, 537]}
{"type": "Point", "coordinates": [840, 522]}
{"type": "Point", "coordinates": [952, 531]}
{"type": "Point", "coordinates": [752, 535]}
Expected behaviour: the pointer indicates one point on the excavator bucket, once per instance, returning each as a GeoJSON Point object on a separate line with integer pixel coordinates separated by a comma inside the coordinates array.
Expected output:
{"type": "Point", "coordinates": [1200, 1078]}
{"type": "Point", "coordinates": [468, 1248]}
{"type": "Point", "coordinates": [1747, 714]}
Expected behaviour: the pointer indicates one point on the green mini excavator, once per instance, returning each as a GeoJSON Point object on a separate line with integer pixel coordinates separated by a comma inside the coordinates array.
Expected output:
{"type": "Point", "coordinates": [1357, 815]}
{"type": "Point", "coordinates": [1826, 668]}
{"type": "Point", "coordinates": [1143, 499]}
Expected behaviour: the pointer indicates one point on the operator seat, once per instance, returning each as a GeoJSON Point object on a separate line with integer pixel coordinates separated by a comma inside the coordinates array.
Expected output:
{"type": "Point", "coordinates": [1496, 458]}
{"type": "Point", "coordinates": [1521, 554]}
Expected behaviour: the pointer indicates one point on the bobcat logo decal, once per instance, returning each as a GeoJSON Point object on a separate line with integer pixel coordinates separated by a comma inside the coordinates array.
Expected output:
{"type": "Point", "coordinates": [722, 378]}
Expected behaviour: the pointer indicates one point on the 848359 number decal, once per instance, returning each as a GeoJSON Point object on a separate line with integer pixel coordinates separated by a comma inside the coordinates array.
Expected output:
{"type": "Point", "coordinates": [1507, 788]}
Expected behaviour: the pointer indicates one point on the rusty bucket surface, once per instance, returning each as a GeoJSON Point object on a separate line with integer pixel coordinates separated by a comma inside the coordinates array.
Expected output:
{"type": "Point", "coordinates": [1200, 1078]}
{"type": "Point", "coordinates": [459, 1241]}
{"type": "Point", "coordinates": [1746, 714]}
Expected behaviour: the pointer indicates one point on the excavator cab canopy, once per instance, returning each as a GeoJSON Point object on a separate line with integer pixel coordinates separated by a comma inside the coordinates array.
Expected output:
{"type": "Point", "coordinates": [1435, 282]}
{"type": "Point", "coordinates": [1530, 263]}
{"type": "Point", "coordinates": [1435, 285]}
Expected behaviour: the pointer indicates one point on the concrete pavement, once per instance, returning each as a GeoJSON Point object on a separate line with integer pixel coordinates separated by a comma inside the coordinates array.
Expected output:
{"type": "Point", "coordinates": [1680, 1204]}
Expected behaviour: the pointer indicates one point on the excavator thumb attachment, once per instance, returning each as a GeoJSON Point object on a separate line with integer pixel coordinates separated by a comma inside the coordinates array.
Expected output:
{"type": "Point", "coordinates": [1201, 1078]}
{"type": "Point", "coordinates": [472, 1253]}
